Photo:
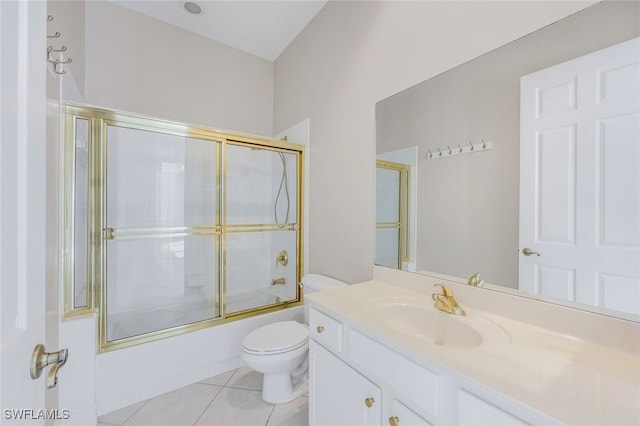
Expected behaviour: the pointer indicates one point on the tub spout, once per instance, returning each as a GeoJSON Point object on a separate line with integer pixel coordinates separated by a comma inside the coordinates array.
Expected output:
{"type": "Point", "coordinates": [278, 281]}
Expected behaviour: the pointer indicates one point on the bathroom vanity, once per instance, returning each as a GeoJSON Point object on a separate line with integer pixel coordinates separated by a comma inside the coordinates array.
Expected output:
{"type": "Point", "coordinates": [383, 355]}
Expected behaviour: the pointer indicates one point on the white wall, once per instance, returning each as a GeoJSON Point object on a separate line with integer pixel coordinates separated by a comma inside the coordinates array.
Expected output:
{"type": "Point", "coordinates": [352, 55]}
{"type": "Point", "coordinates": [139, 64]}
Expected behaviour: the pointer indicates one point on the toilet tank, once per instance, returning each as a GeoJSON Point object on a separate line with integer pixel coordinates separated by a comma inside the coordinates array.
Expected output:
{"type": "Point", "coordinates": [316, 282]}
{"type": "Point", "coordinates": [312, 283]}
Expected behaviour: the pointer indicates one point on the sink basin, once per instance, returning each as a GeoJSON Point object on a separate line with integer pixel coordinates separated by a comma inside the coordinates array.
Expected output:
{"type": "Point", "coordinates": [425, 323]}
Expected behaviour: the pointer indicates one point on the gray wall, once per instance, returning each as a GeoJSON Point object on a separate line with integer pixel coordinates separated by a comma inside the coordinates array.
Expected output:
{"type": "Point", "coordinates": [468, 204]}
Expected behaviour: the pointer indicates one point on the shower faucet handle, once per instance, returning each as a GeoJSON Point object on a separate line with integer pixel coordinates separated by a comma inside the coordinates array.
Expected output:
{"type": "Point", "coordinates": [282, 259]}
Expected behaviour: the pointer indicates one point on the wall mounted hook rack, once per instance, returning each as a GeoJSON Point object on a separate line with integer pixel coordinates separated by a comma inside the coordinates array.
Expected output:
{"type": "Point", "coordinates": [451, 152]}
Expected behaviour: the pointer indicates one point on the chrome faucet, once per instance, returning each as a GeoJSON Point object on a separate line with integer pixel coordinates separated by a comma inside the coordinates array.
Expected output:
{"type": "Point", "coordinates": [445, 301]}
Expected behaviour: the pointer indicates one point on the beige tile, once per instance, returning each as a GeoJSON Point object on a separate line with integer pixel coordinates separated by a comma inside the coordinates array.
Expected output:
{"type": "Point", "coordinates": [118, 417]}
{"type": "Point", "coordinates": [220, 379]}
{"type": "Point", "coordinates": [246, 378]}
{"type": "Point", "coordinates": [181, 407]}
{"type": "Point", "coordinates": [294, 413]}
{"type": "Point", "coordinates": [237, 407]}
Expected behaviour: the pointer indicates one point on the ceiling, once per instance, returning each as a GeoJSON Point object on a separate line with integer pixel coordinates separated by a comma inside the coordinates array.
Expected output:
{"type": "Point", "coordinates": [262, 28]}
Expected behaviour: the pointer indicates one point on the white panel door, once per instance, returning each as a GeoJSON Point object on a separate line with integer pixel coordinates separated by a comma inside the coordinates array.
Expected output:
{"type": "Point", "coordinates": [22, 206]}
{"type": "Point", "coordinates": [580, 180]}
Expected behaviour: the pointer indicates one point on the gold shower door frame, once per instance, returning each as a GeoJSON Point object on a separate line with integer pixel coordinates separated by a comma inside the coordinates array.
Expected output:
{"type": "Point", "coordinates": [402, 224]}
{"type": "Point", "coordinates": [99, 234]}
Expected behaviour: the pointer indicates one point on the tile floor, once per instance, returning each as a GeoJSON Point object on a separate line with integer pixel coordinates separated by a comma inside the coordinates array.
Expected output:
{"type": "Point", "coordinates": [230, 399]}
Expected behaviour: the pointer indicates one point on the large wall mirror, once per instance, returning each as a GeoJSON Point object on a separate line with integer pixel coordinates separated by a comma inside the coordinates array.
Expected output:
{"type": "Point", "coordinates": [460, 134]}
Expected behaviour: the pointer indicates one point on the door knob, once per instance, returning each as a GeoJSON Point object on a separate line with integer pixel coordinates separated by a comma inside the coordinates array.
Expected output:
{"type": "Point", "coordinates": [528, 252]}
{"type": "Point", "coordinates": [369, 402]}
{"type": "Point", "coordinates": [394, 421]}
{"type": "Point", "coordinates": [41, 359]}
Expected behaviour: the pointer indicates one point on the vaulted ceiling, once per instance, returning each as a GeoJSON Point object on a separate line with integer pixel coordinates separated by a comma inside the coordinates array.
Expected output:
{"type": "Point", "coordinates": [261, 28]}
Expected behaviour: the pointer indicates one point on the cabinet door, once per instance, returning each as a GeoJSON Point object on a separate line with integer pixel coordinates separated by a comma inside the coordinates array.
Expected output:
{"type": "Point", "coordinates": [402, 416]}
{"type": "Point", "coordinates": [339, 395]}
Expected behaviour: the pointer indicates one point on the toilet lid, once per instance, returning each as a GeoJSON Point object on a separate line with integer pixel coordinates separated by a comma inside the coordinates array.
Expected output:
{"type": "Point", "coordinates": [275, 337]}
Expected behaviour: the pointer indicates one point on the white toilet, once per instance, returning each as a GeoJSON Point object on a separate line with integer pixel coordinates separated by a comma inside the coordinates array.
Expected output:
{"type": "Point", "coordinates": [280, 350]}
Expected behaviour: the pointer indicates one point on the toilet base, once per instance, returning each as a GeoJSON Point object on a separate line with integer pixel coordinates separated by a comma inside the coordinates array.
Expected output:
{"type": "Point", "coordinates": [278, 388]}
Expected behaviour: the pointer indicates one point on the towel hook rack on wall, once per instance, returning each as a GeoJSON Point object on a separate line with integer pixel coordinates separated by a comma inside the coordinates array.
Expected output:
{"type": "Point", "coordinates": [60, 60]}
{"type": "Point", "coordinates": [467, 149]}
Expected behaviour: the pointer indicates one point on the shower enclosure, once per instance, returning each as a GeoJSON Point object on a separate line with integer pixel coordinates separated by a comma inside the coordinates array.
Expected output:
{"type": "Point", "coordinates": [392, 214]}
{"type": "Point", "coordinates": [171, 227]}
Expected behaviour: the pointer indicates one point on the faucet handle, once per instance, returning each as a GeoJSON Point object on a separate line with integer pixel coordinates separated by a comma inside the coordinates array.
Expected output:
{"type": "Point", "coordinates": [282, 259]}
{"type": "Point", "coordinates": [445, 290]}
{"type": "Point", "coordinates": [475, 281]}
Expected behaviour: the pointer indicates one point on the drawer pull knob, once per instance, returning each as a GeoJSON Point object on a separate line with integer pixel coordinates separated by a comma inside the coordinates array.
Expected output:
{"type": "Point", "coordinates": [369, 402]}
{"type": "Point", "coordinates": [319, 329]}
{"type": "Point", "coordinates": [394, 421]}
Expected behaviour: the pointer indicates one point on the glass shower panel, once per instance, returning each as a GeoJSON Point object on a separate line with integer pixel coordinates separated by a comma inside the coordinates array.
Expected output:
{"type": "Point", "coordinates": [253, 277]}
{"type": "Point", "coordinates": [391, 215]}
{"type": "Point", "coordinates": [260, 186]}
{"type": "Point", "coordinates": [160, 180]}
{"type": "Point", "coordinates": [387, 195]}
{"type": "Point", "coordinates": [80, 197]}
{"type": "Point", "coordinates": [160, 283]}
{"type": "Point", "coordinates": [387, 250]}
{"type": "Point", "coordinates": [162, 231]}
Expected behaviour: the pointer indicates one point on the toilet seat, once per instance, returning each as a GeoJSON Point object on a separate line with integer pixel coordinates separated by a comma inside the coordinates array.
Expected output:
{"type": "Point", "coordinates": [276, 338]}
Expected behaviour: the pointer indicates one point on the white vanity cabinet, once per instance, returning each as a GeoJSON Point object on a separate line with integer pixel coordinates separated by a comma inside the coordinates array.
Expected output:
{"type": "Point", "coordinates": [357, 380]}
{"type": "Point", "coordinates": [339, 395]}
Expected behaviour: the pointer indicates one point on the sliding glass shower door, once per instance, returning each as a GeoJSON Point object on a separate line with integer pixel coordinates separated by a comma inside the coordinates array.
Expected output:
{"type": "Point", "coordinates": [261, 227]}
{"type": "Point", "coordinates": [162, 231]}
{"type": "Point", "coordinates": [171, 227]}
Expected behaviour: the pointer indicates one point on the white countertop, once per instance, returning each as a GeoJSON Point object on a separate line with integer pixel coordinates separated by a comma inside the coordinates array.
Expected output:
{"type": "Point", "coordinates": [572, 380]}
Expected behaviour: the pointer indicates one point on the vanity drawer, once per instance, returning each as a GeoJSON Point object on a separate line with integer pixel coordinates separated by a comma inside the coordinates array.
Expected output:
{"type": "Point", "coordinates": [473, 410]}
{"type": "Point", "coordinates": [325, 330]}
{"type": "Point", "coordinates": [419, 386]}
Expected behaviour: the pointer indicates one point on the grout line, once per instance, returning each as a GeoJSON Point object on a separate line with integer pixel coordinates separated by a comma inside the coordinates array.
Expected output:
{"type": "Point", "coordinates": [134, 413]}
{"type": "Point", "coordinates": [273, 408]}
{"type": "Point", "coordinates": [209, 405]}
